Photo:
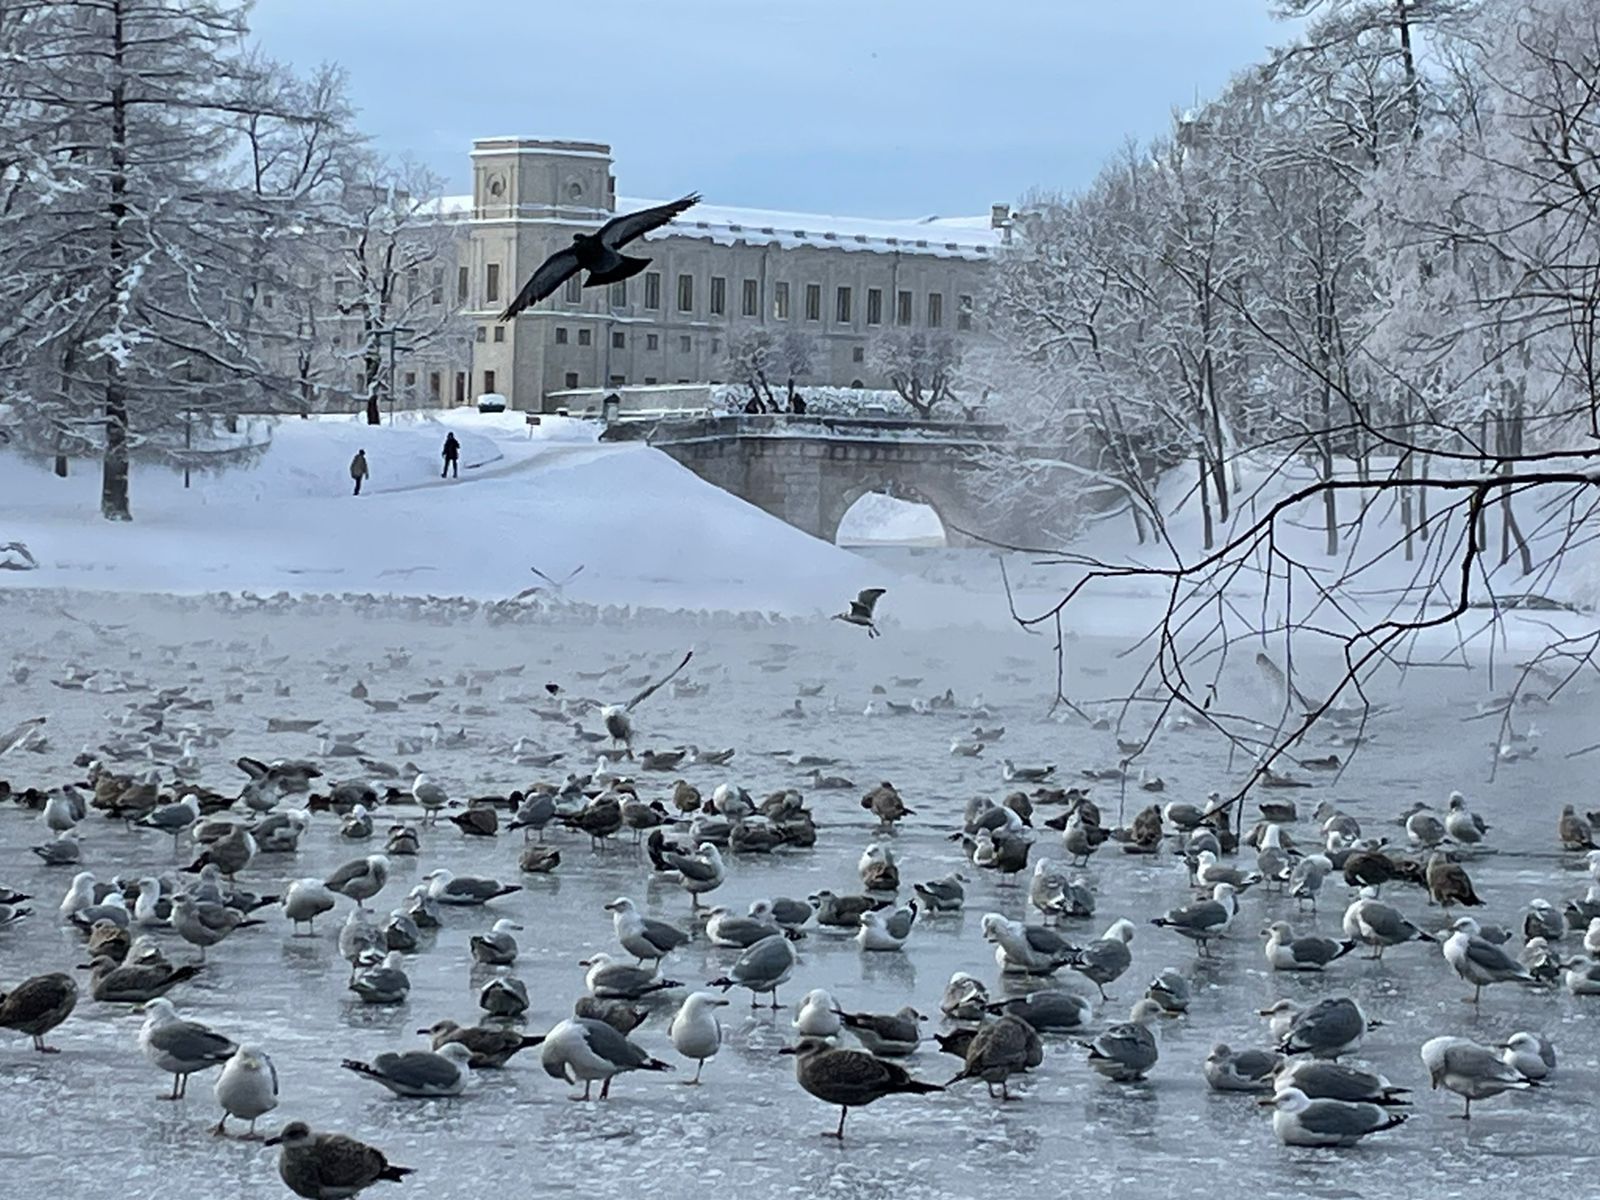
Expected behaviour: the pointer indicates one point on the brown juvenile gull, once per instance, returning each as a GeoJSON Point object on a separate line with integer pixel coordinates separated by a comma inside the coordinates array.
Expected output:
{"type": "Point", "coordinates": [849, 1078]}
{"type": "Point", "coordinates": [490, 1046]}
{"type": "Point", "coordinates": [330, 1166]}
{"type": "Point", "coordinates": [1000, 1049]}
{"type": "Point", "coordinates": [134, 983]}
{"type": "Point", "coordinates": [37, 1005]}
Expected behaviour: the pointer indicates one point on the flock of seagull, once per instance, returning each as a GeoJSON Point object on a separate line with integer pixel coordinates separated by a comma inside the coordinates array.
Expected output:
{"type": "Point", "coordinates": [1246, 876]}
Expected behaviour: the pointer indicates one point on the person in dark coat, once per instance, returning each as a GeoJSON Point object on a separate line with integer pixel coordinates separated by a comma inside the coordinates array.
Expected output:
{"type": "Point", "coordinates": [452, 456]}
{"type": "Point", "coordinates": [798, 405]}
{"type": "Point", "coordinates": [358, 469]}
{"type": "Point", "coordinates": [753, 405]}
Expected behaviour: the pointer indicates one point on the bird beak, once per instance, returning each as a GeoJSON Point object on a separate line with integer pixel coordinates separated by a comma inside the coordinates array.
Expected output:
{"type": "Point", "coordinates": [274, 1140]}
{"type": "Point", "coordinates": [1267, 1102]}
{"type": "Point", "coordinates": [724, 1004]}
{"type": "Point", "coordinates": [786, 1050]}
{"type": "Point", "coordinates": [424, 1031]}
{"type": "Point", "coordinates": [586, 962]}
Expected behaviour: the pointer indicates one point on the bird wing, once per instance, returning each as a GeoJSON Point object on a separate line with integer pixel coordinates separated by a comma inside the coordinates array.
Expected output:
{"type": "Point", "coordinates": [419, 1069]}
{"type": "Point", "coordinates": [867, 597]}
{"type": "Point", "coordinates": [19, 733]}
{"type": "Point", "coordinates": [188, 1041]}
{"type": "Point", "coordinates": [688, 867]}
{"type": "Point", "coordinates": [344, 1162]}
{"type": "Point", "coordinates": [551, 274]}
{"type": "Point", "coordinates": [1340, 1118]}
{"type": "Point", "coordinates": [612, 1046]}
{"type": "Point", "coordinates": [646, 694]}
{"type": "Point", "coordinates": [345, 874]}
{"type": "Point", "coordinates": [619, 231]}
{"type": "Point", "coordinates": [1492, 958]}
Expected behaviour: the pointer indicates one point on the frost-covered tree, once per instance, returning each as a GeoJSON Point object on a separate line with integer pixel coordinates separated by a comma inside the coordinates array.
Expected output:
{"type": "Point", "coordinates": [755, 355]}
{"type": "Point", "coordinates": [921, 367]}
{"type": "Point", "coordinates": [133, 236]}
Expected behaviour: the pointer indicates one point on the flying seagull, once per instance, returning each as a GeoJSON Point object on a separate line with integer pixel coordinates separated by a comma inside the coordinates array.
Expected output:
{"type": "Point", "coordinates": [860, 612]}
{"type": "Point", "coordinates": [615, 716]}
{"type": "Point", "coordinates": [598, 254]}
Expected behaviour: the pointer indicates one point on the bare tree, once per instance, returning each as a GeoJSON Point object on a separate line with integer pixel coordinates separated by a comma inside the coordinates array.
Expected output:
{"type": "Point", "coordinates": [756, 355]}
{"type": "Point", "coordinates": [921, 367]}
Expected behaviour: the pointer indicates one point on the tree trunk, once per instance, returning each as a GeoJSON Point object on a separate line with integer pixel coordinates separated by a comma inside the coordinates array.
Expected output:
{"type": "Point", "coordinates": [1205, 499]}
{"type": "Point", "coordinates": [374, 416]}
{"type": "Point", "coordinates": [1330, 499]}
{"type": "Point", "coordinates": [1405, 508]}
{"type": "Point", "coordinates": [114, 464]}
{"type": "Point", "coordinates": [1422, 501]}
{"type": "Point", "coordinates": [373, 365]}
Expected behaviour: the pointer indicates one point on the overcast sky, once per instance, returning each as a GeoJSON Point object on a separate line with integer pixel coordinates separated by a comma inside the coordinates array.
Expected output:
{"type": "Point", "coordinates": [864, 107]}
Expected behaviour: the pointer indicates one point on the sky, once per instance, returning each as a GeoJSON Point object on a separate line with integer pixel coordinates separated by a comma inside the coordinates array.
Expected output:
{"type": "Point", "coordinates": [883, 108]}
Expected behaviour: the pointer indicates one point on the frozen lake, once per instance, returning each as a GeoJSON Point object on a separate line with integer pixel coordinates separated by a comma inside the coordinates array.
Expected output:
{"type": "Point", "coordinates": [88, 1118]}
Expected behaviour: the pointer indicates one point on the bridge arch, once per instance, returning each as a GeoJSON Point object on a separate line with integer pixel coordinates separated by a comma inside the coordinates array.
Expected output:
{"type": "Point", "coordinates": [840, 501]}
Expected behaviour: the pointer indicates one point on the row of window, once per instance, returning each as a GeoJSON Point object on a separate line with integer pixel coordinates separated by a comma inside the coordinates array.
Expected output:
{"type": "Point", "coordinates": [619, 340]}
{"type": "Point", "coordinates": [750, 299]}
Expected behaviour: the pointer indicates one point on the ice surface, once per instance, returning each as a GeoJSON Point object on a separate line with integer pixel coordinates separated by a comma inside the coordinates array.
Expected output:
{"type": "Point", "coordinates": [87, 1122]}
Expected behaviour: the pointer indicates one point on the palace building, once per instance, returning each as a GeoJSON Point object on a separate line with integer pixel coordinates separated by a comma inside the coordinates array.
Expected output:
{"type": "Point", "coordinates": [716, 272]}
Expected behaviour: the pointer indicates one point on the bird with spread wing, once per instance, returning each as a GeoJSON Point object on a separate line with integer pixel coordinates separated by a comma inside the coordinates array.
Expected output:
{"type": "Point", "coordinates": [598, 254]}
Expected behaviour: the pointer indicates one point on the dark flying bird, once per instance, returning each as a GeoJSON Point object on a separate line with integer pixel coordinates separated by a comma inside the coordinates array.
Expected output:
{"type": "Point", "coordinates": [860, 612]}
{"type": "Point", "coordinates": [598, 254]}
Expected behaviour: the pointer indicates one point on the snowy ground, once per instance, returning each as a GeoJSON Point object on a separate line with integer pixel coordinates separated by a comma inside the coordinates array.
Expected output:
{"type": "Point", "coordinates": [89, 1115]}
{"type": "Point", "coordinates": [645, 530]}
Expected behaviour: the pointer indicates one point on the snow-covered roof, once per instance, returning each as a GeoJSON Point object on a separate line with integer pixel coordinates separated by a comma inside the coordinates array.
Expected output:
{"type": "Point", "coordinates": [946, 237]}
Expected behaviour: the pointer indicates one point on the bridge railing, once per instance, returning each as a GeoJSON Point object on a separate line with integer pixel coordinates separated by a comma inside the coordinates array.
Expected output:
{"type": "Point", "coordinates": [659, 428]}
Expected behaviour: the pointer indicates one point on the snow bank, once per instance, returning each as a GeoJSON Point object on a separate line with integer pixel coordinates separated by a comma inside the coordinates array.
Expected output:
{"type": "Point", "coordinates": [645, 530]}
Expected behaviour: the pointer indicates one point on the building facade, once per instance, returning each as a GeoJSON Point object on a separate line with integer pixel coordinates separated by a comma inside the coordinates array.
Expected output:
{"type": "Point", "coordinates": [716, 273]}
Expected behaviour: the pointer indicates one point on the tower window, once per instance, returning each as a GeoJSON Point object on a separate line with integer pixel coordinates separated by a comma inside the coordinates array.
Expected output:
{"type": "Point", "coordinates": [491, 282]}
{"type": "Point", "coordinates": [685, 293]}
{"type": "Point", "coordinates": [652, 289]}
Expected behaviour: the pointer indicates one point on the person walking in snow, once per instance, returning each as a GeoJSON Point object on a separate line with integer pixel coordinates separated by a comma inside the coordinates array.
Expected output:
{"type": "Point", "coordinates": [452, 456]}
{"type": "Point", "coordinates": [358, 469]}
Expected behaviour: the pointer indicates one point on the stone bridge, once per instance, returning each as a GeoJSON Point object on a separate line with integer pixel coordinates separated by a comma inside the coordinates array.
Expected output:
{"type": "Point", "coordinates": [808, 470]}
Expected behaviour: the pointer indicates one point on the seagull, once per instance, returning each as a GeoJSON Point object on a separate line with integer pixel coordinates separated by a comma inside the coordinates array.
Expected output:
{"type": "Point", "coordinates": [615, 717]}
{"type": "Point", "coordinates": [1047, 1010]}
{"type": "Point", "coordinates": [891, 1035]}
{"type": "Point", "coordinates": [360, 880]}
{"type": "Point", "coordinates": [1327, 1029]}
{"type": "Point", "coordinates": [247, 1088]}
{"type": "Point", "coordinates": [879, 932]}
{"type": "Point", "coordinates": [943, 895]}
{"type": "Point", "coordinates": [1471, 1071]}
{"type": "Point", "coordinates": [465, 890]}
{"type": "Point", "coordinates": [1229, 1070]}
{"type": "Point", "coordinates": [1203, 920]}
{"type": "Point", "coordinates": [180, 1047]}
{"type": "Point", "coordinates": [418, 1074]}
{"type": "Point", "coordinates": [1530, 1053]}
{"type": "Point", "coordinates": [1378, 925]}
{"type": "Point", "coordinates": [1321, 1078]}
{"type": "Point", "coordinates": [1299, 1120]}
{"type": "Point", "coordinates": [763, 967]}
{"type": "Point", "coordinates": [429, 795]}
{"type": "Point", "coordinates": [1000, 1049]}
{"type": "Point", "coordinates": [849, 1078]}
{"type": "Point", "coordinates": [609, 979]}
{"type": "Point", "coordinates": [641, 936]}
{"type": "Point", "coordinates": [383, 983]}
{"type": "Point", "coordinates": [700, 872]}
{"type": "Point", "coordinates": [1030, 949]}
{"type": "Point", "coordinates": [37, 1005]}
{"type": "Point", "coordinates": [1104, 960]}
{"type": "Point", "coordinates": [695, 1031]}
{"type": "Point", "coordinates": [1126, 1052]}
{"type": "Point", "coordinates": [1285, 952]}
{"type": "Point", "coordinates": [304, 901]}
{"type": "Point", "coordinates": [1479, 961]}
{"type": "Point", "coordinates": [330, 1166]}
{"type": "Point", "coordinates": [860, 613]}
{"type": "Point", "coordinates": [818, 1015]}
{"type": "Point", "coordinates": [203, 924]}
{"type": "Point", "coordinates": [490, 1046]}
{"type": "Point", "coordinates": [598, 254]}
{"type": "Point", "coordinates": [497, 948]}
{"type": "Point", "coordinates": [582, 1049]}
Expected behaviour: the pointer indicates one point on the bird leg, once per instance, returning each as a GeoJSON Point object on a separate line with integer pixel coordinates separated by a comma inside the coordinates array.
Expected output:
{"type": "Point", "coordinates": [587, 1084]}
{"type": "Point", "coordinates": [605, 1090]}
{"type": "Point", "coordinates": [220, 1129]}
{"type": "Point", "coordinates": [38, 1044]}
{"type": "Point", "coordinates": [775, 1004]}
{"type": "Point", "coordinates": [844, 1111]}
